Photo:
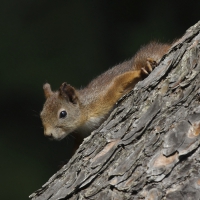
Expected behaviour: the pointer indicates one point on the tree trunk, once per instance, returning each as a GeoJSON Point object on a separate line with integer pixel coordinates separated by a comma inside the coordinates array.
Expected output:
{"type": "Point", "coordinates": [148, 148]}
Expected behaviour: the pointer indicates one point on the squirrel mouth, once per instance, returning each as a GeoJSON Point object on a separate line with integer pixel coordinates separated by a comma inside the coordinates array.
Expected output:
{"type": "Point", "coordinates": [50, 137]}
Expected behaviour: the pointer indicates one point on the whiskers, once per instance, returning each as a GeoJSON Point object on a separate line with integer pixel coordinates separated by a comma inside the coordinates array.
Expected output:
{"type": "Point", "coordinates": [70, 138]}
{"type": "Point", "coordinates": [36, 113]}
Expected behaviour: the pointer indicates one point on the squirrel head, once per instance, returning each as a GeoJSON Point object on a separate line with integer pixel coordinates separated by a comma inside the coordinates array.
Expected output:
{"type": "Point", "coordinates": [61, 111]}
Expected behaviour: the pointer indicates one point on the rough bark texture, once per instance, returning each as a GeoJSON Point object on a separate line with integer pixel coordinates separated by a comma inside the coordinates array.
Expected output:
{"type": "Point", "coordinates": [149, 146]}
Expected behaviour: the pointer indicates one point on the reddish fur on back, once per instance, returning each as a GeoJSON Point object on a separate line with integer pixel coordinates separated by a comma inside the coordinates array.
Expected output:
{"type": "Point", "coordinates": [87, 108]}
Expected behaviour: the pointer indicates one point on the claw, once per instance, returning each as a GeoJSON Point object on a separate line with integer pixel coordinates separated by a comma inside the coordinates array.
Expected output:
{"type": "Point", "coordinates": [144, 71]}
{"type": "Point", "coordinates": [152, 62]}
{"type": "Point", "coordinates": [149, 66]}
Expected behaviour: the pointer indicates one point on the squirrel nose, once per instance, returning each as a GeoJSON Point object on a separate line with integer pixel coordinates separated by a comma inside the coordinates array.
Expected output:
{"type": "Point", "coordinates": [48, 134]}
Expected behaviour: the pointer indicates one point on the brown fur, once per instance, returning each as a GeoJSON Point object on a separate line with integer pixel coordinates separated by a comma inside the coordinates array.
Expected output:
{"type": "Point", "coordinates": [87, 108]}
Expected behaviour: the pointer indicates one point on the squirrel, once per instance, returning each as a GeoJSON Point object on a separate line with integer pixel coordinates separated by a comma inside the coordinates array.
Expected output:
{"type": "Point", "coordinates": [82, 111]}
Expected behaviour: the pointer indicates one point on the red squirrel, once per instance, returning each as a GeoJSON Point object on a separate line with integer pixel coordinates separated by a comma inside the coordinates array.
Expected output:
{"type": "Point", "coordinates": [81, 111]}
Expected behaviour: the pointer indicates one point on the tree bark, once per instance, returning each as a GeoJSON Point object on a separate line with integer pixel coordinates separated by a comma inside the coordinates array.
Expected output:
{"type": "Point", "coordinates": [148, 148]}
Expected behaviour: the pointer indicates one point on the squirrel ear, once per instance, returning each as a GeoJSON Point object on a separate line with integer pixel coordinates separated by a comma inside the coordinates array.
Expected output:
{"type": "Point", "coordinates": [68, 92]}
{"type": "Point", "coordinates": [47, 90]}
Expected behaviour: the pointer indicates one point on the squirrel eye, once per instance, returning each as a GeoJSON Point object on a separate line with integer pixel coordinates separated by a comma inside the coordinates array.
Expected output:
{"type": "Point", "coordinates": [63, 114]}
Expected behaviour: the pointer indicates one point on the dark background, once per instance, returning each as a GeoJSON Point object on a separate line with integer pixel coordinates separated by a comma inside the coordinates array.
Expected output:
{"type": "Point", "coordinates": [57, 41]}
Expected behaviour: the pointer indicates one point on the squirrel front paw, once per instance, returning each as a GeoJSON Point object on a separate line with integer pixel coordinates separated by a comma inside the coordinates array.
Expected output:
{"type": "Point", "coordinates": [150, 65]}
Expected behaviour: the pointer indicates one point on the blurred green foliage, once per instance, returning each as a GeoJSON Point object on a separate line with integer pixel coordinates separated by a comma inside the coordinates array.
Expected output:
{"type": "Point", "coordinates": [59, 41]}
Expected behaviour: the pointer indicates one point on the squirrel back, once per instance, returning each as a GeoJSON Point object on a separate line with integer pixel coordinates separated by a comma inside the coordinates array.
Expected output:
{"type": "Point", "coordinates": [81, 111]}
{"type": "Point", "coordinates": [153, 50]}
